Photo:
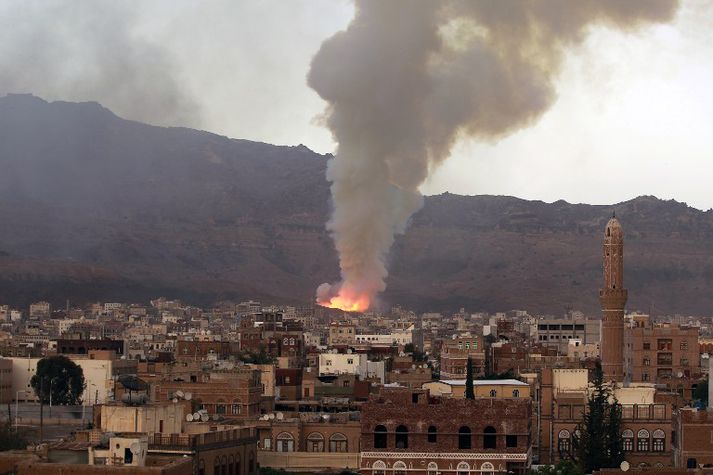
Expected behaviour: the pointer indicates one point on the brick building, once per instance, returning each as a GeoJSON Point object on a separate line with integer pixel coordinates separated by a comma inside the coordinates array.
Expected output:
{"type": "Point", "coordinates": [455, 354]}
{"type": "Point", "coordinates": [694, 445]}
{"type": "Point", "coordinates": [661, 353]}
{"type": "Point", "coordinates": [409, 431]}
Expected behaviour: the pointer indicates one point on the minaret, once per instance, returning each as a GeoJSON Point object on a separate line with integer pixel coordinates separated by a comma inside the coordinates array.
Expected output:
{"type": "Point", "coordinates": [613, 299]}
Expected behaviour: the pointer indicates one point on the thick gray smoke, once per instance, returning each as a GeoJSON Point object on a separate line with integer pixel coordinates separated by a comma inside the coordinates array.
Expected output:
{"type": "Point", "coordinates": [407, 78]}
{"type": "Point", "coordinates": [83, 51]}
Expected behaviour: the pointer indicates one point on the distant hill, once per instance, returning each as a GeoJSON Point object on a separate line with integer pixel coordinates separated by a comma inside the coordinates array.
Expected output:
{"type": "Point", "coordinates": [96, 207]}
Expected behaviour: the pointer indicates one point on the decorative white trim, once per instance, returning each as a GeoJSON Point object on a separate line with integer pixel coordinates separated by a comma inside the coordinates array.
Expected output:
{"type": "Point", "coordinates": [445, 455]}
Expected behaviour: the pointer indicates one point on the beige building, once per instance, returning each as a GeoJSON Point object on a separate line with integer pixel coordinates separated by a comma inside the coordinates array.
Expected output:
{"type": "Point", "coordinates": [341, 333]}
{"type": "Point", "coordinates": [164, 418]}
{"type": "Point", "coordinates": [497, 388]}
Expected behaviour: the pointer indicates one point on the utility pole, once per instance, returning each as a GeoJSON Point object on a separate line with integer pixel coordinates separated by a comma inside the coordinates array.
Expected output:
{"type": "Point", "coordinates": [42, 406]}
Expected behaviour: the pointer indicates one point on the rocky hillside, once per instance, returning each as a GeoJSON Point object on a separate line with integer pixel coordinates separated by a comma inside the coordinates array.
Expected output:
{"type": "Point", "coordinates": [96, 207]}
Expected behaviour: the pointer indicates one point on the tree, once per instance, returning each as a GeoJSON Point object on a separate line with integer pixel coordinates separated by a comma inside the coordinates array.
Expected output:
{"type": "Point", "coordinates": [564, 467]}
{"type": "Point", "coordinates": [597, 443]}
{"type": "Point", "coordinates": [469, 392]}
{"type": "Point", "coordinates": [701, 392]}
{"type": "Point", "coordinates": [60, 376]}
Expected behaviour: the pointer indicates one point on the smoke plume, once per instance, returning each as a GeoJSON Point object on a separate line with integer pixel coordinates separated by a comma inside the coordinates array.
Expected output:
{"type": "Point", "coordinates": [82, 51]}
{"type": "Point", "coordinates": [408, 78]}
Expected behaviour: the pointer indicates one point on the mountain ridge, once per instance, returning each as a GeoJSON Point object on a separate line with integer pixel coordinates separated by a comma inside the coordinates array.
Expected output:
{"type": "Point", "coordinates": [98, 207]}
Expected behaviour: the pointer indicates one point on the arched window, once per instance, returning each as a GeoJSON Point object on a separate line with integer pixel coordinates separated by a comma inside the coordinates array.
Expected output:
{"type": "Point", "coordinates": [464, 438]}
{"type": "Point", "coordinates": [399, 468]}
{"type": "Point", "coordinates": [432, 434]}
{"type": "Point", "coordinates": [378, 468]}
{"type": "Point", "coordinates": [659, 443]}
{"type": "Point", "coordinates": [285, 442]}
{"type": "Point", "coordinates": [463, 468]}
{"type": "Point", "coordinates": [224, 466]}
{"type": "Point", "coordinates": [220, 406]}
{"type": "Point", "coordinates": [493, 393]}
{"type": "Point", "coordinates": [487, 468]}
{"type": "Point", "coordinates": [564, 440]}
{"type": "Point", "coordinates": [401, 437]}
{"type": "Point", "coordinates": [231, 465]}
{"type": "Point", "coordinates": [216, 466]}
{"type": "Point", "coordinates": [338, 443]}
{"type": "Point", "coordinates": [432, 468]}
{"type": "Point", "coordinates": [628, 440]}
{"type": "Point", "coordinates": [315, 442]}
{"type": "Point", "coordinates": [380, 437]}
{"type": "Point", "coordinates": [238, 468]}
{"type": "Point", "coordinates": [515, 393]}
{"type": "Point", "coordinates": [490, 439]}
{"type": "Point", "coordinates": [642, 440]}
{"type": "Point", "coordinates": [235, 407]}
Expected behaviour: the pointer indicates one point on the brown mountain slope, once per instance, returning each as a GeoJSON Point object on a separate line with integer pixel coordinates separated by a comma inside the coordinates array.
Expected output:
{"type": "Point", "coordinates": [96, 207]}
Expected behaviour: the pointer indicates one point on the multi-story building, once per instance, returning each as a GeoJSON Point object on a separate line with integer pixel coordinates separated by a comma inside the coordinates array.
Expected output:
{"type": "Point", "coordinates": [341, 333]}
{"type": "Point", "coordinates": [557, 332]}
{"type": "Point", "coordinates": [409, 431]}
{"type": "Point", "coordinates": [455, 354]}
{"type": "Point", "coordinates": [39, 310]}
{"type": "Point", "coordinates": [660, 353]}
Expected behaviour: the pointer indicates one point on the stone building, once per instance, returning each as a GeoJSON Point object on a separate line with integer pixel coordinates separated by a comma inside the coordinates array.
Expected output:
{"type": "Point", "coordinates": [341, 334]}
{"type": "Point", "coordinates": [409, 431]}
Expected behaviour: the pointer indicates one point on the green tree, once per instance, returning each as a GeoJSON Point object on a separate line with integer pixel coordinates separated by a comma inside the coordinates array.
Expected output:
{"type": "Point", "coordinates": [469, 392]}
{"type": "Point", "coordinates": [564, 467]}
{"type": "Point", "coordinates": [701, 392]}
{"type": "Point", "coordinates": [597, 442]}
{"type": "Point", "coordinates": [60, 376]}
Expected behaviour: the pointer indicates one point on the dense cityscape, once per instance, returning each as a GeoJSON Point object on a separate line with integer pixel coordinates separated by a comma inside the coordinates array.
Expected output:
{"type": "Point", "coordinates": [242, 387]}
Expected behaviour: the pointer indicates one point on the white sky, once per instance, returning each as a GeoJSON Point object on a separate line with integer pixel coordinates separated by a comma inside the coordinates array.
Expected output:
{"type": "Point", "coordinates": [633, 114]}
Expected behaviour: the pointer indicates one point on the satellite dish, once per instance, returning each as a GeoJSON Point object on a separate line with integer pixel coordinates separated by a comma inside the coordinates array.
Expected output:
{"type": "Point", "coordinates": [280, 416]}
{"type": "Point", "coordinates": [272, 416]}
{"type": "Point", "coordinates": [175, 400]}
{"type": "Point", "coordinates": [216, 417]}
{"type": "Point", "coordinates": [180, 394]}
{"type": "Point", "coordinates": [624, 466]}
{"type": "Point", "coordinates": [204, 417]}
{"type": "Point", "coordinates": [135, 448]}
{"type": "Point", "coordinates": [188, 396]}
{"type": "Point", "coordinates": [189, 417]}
{"type": "Point", "coordinates": [679, 374]}
{"type": "Point", "coordinates": [196, 416]}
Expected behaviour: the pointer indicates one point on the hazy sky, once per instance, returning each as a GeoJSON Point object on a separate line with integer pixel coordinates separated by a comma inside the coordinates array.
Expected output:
{"type": "Point", "coordinates": [632, 118]}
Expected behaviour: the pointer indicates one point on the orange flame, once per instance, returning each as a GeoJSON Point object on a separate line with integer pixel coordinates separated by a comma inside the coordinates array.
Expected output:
{"type": "Point", "coordinates": [348, 303]}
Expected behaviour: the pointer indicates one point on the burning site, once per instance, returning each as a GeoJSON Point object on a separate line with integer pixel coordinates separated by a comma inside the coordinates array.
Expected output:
{"type": "Point", "coordinates": [405, 81]}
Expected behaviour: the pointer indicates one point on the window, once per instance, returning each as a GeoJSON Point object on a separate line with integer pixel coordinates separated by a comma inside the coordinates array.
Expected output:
{"type": "Point", "coordinates": [490, 440]}
{"type": "Point", "coordinates": [401, 437]}
{"type": "Point", "coordinates": [315, 442]}
{"type": "Point", "coordinates": [665, 359]}
{"type": "Point", "coordinates": [338, 443]}
{"type": "Point", "coordinates": [684, 361]}
{"type": "Point", "coordinates": [647, 345]}
{"type": "Point", "coordinates": [515, 393]}
{"type": "Point", "coordinates": [510, 441]}
{"type": "Point", "coordinates": [380, 437]}
{"type": "Point", "coordinates": [432, 434]}
{"type": "Point", "coordinates": [464, 438]}
{"type": "Point", "coordinates": [645, 377]}
{"type": "Point", "coordinates": [642, 441]}
{"type": "Point", "coordinates": [285, 442]}
{"type": "Point", "coordinates": [267, 443]}
{"type": "Point", "coordinates": [487, 468]}
{"type": "Point", "coordinates": [647, 361]}
{"type": "Point", "coordinates": [463, 468]}
{"type": "Point", "coordinates": [664, 344]}
{"type": "Point", "coordinates": [399, 468]}
{"type": "Point", "coordinates": [379, 468]}
{"type": "Point", "coordinates": [563, 441]}
{"type": "Point", "coordinates": [628, 440]}
{"type": "Point", "coordinates": [220, 407]}
{"type": "Point", "coordinates": [493, 393]}
{"type": "Point", "coordinates": [432, 468]}
{"type": "Point", "coordinates": [235, 408]}
{"type": "Point", "coordinates": [659, 444]}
